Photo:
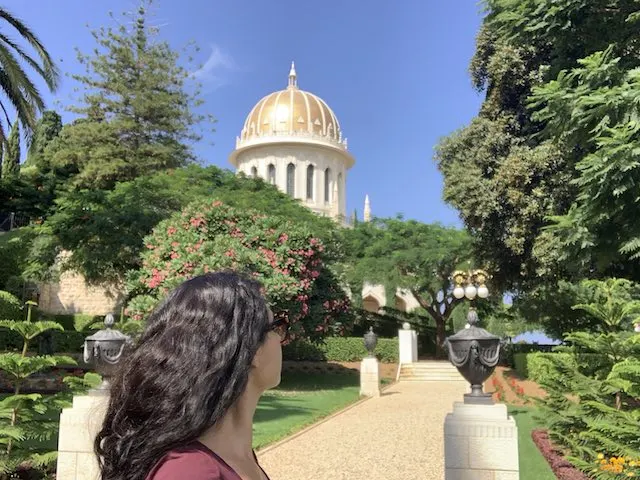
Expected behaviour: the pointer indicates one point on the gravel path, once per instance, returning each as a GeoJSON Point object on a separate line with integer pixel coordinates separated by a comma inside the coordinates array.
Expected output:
{"type": "Point", "coordinates": [398, 436]}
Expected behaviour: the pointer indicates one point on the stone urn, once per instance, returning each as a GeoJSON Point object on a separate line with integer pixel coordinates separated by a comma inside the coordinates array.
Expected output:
{"type": "Point", "coordinates": [104, 350]}
{"type": "Point", "coordinates": [475, 353]}
{"type": "Point", "coordinates": [370, 342]}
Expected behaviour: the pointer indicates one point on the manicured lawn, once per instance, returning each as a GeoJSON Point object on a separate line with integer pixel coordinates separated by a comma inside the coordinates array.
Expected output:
{"type": "Point", "coordinates": [533, 466]}
{"type": "Point", "coordinates": [300, 400]}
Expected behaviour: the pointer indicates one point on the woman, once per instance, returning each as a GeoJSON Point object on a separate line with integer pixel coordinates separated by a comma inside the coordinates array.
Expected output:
{"type": "Point", "coordinates": [182, 404]}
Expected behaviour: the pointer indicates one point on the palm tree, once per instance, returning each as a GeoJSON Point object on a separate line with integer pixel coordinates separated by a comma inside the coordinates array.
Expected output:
{"type": "Point", "coordinates": [20, 92]}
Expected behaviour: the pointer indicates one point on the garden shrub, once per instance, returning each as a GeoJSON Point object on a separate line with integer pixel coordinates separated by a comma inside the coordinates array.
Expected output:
{"type": "Point", "coordinates": [541, 366]}
{"type": "Point", "coordinates": [340, 349]}
{"type": "Point", "coordinates": [284, 257]}
{"type": "Point", "coordinates": [352, 349]}
{"type": "Point", "coordinates": [27, 422]}
{"type": "Point", "coordinates": [520, 364]}
{"type": "Point", "coordinates": [536, 365]}
{"type": "Point", "coordinates": [10, 307]}
{"type": "Point", "coordinates": [75, 322]}
{"type": "Point", "coordinates": [14, 251]}
{"type": "Point", "coordinates": [67, 341]}
{"type": "Point", "coordinates": [593, 395]}
{"type": "Point", "coordinates": [304, 350]}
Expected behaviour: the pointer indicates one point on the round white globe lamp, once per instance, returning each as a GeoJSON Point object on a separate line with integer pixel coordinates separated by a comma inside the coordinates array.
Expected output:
{"type": "Point", "coordinates": [470, 292]}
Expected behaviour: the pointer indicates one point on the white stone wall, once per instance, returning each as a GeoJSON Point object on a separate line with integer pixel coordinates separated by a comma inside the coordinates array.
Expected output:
{"type": "Point", "coordinates": [71, 295]}
{"type": "Point", "coordinates": [301, 156]}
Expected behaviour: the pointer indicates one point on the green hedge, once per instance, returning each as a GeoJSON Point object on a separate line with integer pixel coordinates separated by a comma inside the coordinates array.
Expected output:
{"type": "Point", "coordinates": [341, 349]}
{"type": "Point", "coordinates": [72, 322]}
{"type": "Point", "coordinates": [337, 349]}
{"type": "Point", "coordinates": [536, 366]}
{"type": "Point", "coordinates": [57, 341]}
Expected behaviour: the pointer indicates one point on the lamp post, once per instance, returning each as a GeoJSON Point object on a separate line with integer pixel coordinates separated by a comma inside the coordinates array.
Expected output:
{"type": "Point", "coordinates": [473, 351]}
{"type": "Point", "coordinates": [104, 349]}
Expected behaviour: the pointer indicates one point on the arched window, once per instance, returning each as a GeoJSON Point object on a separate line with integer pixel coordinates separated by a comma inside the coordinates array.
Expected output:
{"type": "Point", "coordinates": [400, 304]}
{"type": "Point", "coordinates": [370, 304]}
{"type": "Point", "coordinates": [291, 179]}
{"type": "Point", "coordinates": [254, 172]}
{"type": "Point", "coordinates": [327, 185]}
{"type": "Point", "coordinates": [339, 187]}
{"type": "Point", "coordinates": [310, 182]}
{"type": "Point", "coordinates": [271, 174]}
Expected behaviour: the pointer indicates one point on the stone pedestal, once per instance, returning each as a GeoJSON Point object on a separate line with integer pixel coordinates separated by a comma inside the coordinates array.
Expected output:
{"type": "Point", "coordinates": [79, 426]}
{"type": "Point", "coordinates": [480, 443]}
{"type": "Point", "coordinates": [370, 377]}
{"type": "Point", "coordinates": [408, 346]}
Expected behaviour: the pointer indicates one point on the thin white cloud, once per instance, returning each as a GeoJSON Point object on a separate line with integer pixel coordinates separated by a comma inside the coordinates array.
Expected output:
{"type": "Point", "coordinates": [212, 73]}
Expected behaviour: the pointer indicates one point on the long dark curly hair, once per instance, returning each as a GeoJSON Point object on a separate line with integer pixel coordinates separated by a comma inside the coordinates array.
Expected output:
{"type": "Point", "coordinates": [190, 365]}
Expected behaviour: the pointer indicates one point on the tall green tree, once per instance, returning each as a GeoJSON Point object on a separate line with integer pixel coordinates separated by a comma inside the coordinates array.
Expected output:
{"type": "Point", "coordinates": [593, 109]}
{"type": "Point", "coordinates": [47, 129]}
{"type": "Point", "coordinates": [137, 110]}
{"type": "Point", "coordinates": [504, 172]}
{"type": "Point", "coordinates": [11, 154]}
{"type": "Point", "coordinates": [19, 91]}
{"type": "Point", "coordinates": [416, 257]}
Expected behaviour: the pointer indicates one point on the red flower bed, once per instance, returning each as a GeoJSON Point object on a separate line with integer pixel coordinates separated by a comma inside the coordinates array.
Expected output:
{"type": "Point", "coordinates": [562, 469]}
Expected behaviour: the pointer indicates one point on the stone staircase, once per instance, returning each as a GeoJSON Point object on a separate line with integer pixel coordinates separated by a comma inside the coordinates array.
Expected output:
{"type": "Point", "coordinates": [429, 371]}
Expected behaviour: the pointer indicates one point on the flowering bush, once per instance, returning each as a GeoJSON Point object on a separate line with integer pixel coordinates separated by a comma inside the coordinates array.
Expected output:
{"type": "Point", "coordinates": [619, 467]}
{"type": "Point", "coordinates": [499, 392]}
{"type": "Point", "coordinates": [210, 236]}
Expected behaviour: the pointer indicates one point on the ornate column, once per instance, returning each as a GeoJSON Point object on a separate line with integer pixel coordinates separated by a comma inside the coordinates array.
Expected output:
{"type": "Point", "coordinates": [480, 438]}
{"type": "Point", "coordinates": [369, 368]}
{"type": "Point", "coordinates": [407, 344]}
{"type": "Point", "coordinates": [80, 424]}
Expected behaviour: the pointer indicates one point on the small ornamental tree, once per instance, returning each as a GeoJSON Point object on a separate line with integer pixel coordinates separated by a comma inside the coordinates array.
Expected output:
{"type": "Point", "coordinates": [284, 257]}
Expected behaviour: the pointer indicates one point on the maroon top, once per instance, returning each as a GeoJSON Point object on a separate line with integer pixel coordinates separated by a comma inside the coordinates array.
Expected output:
{"type": "Point", "coordinates": [194, 461]}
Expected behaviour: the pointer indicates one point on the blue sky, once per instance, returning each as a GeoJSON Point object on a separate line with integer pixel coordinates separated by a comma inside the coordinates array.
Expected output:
{"type": "Point", "coordinates": [395, 74]}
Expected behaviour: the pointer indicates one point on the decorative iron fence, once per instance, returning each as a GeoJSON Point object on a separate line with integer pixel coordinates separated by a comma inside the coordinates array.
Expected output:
{"type": "Point", "coordinates": [11, 220]}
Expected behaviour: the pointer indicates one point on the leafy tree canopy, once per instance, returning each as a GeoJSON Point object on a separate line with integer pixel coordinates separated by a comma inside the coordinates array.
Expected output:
{"type": "Point", "coordinates": [554, 137]}
{"type": "Point", "coordinates": [136, 114]}
{"type": "Point", "coordinates": [409, 255]}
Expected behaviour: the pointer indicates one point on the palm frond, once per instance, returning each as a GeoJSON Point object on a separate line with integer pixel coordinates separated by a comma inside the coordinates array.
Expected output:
{"type": "Point", "coordinates": [24, 55]}
{"type": "Point", "coordinates": [20, 81]}
{"type": "Point", "coordinates": [52, 75]}
{"type": "Point", "coordinates": [24, 110]}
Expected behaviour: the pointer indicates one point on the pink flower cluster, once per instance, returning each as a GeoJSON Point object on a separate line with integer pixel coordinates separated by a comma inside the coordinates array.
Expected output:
{"type": "Point", "coordinates": [287, 263]}
{"type": "Point", "coordinates": [196, 221]}
{"type": "Point", "coordinates": [157, 277]}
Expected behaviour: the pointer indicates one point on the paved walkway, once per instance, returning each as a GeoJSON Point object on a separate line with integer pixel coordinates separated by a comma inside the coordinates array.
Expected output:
{"type": "Point", "coordinates": [398, 436]}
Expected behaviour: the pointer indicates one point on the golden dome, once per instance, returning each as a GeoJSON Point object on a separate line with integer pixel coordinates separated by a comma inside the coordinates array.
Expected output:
{"type": "Point", "coordinates": [291, 115]}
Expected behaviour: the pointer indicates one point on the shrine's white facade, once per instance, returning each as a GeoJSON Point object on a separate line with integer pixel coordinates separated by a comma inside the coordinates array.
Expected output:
{"type": "Point", "coordinates": [292, 139]}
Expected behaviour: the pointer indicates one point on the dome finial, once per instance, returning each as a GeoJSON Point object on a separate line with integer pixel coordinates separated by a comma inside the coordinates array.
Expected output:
{"type": "Point", "coordinates": [367, 209]}
{"type": "Point", "coordinates": [293, 78]}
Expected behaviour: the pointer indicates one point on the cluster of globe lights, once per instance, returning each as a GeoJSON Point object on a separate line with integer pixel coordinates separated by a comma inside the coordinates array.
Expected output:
{"type": "Point", "coordinates": [470, 291]}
